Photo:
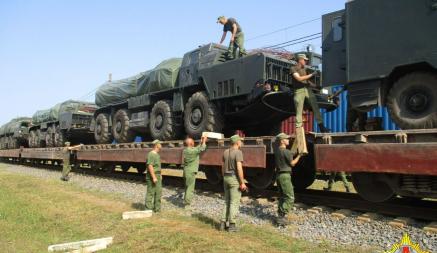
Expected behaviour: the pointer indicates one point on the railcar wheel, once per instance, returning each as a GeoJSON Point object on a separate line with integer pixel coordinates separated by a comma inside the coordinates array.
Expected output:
{"type": "Point", "coordinates": [163, 125]}
{"type": "Point", "coordinates": [412, 101]}
{"type": "Point", "coordinates": [304, 173]}
{"type": "Point", "coordinates": [262, 178]}
{"type": "Point", "coordinates": [213, 175]}
{"type": "Point", "coordinates": [201, 115]}
{"type": "Point", "coordinates": [101, 131]}
{"type": "Point", "coordinates": [141, 168]}
{"type": "Point", "coordinates": [120, 127]}
{"type": "Point", "coordinates": [372, 187]}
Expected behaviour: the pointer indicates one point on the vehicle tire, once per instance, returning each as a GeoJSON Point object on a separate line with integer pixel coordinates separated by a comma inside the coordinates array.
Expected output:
{"type": "Point", "coordinates": [201, 115]}
{"type": "Point", "coordinates": [13, 143]}
{"type": "Point", "coordinates": [412, 101]}
{"type": "Point", "coordinates": [50, 138]}
{"type": "Point", "coordinates": [264, 130]}
{"type": "Point", "coordinates": [59, 137]}
{"type": "Point", "coordinates": [120, 127]}
{"type": "Point", "coordinates": [40, 139]}
{"type": "Point", "coordinates": [31, 139]}
{"type": "Point", "coordinates": [101, 131]}
{"type": "Point", "coordinates": [163, 125]}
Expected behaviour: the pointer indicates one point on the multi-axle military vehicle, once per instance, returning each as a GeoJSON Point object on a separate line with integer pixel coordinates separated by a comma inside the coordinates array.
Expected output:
{"type": "Point", "coordinates": [201, 92]}
{"type": "Point", "coordinates": [14, 133]}
{"type": "Point", "coordinates": [67, 121]}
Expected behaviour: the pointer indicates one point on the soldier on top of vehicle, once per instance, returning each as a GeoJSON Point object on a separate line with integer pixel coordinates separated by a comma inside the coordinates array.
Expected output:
{"type": "Point", "coordinates": [302, 91]}
{"type": "Point", "coordinates": [237, 37]}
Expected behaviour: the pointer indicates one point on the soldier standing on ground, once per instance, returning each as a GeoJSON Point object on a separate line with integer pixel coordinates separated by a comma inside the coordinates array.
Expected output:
{"type": "Point", "coordinates": [233, 183]}
{"type": "Point", "coordinates": [66, 167]}
{"type": "Point", "coordinates": [237, 36]}
{"type": "Point", "coordinates": [191, 167]}
{"type": "Point", "coordinates": [284, 162]}
{"type": "Point", "coordinates": [153, 178]}
{"type": "Point", "coordinates": [332, 180]}
{"type": "Point", "coordinates": [302, 91]}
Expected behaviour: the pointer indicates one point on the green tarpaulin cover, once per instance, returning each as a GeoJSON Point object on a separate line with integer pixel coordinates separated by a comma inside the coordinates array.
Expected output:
{"type": "Point", "coordinates": [12, 125]}
{"type": "Point", "coordinates": [163, 76]}
{"type": "Point", "coordinates": [53, 113]}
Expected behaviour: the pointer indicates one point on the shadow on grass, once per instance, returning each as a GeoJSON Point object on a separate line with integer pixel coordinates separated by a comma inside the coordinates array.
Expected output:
{"type": "Point", "coordinates": [207, 220]}
{"type": "Point", "coordinates": [176, 199]}
{"type": "Point", "coordinates": [138, 206]}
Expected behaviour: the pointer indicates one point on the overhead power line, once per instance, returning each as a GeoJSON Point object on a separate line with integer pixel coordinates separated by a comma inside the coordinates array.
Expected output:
{"type": "Point", "coordinates": [283, 29]}
{"type": "Point", "coordinates": [297, 40]}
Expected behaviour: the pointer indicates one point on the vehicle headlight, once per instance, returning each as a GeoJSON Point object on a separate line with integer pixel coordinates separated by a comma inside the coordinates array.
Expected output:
{"type": "Point", "coordinates": [324, 91]}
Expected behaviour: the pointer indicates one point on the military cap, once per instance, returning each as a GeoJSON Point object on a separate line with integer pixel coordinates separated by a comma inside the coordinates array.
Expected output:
{"type": "Point", "coordinates": [235, 138]}
{"type": "Point", "coordinates": [303, 56]}
{"type": "Point", "coordinates": [67, 143]}
{"type": "Point", "coordinates": [282, 136]}
{"type": "Point", "coordinates": [155, 142]}
{"type": "Point", "coordinates": [219, 18]}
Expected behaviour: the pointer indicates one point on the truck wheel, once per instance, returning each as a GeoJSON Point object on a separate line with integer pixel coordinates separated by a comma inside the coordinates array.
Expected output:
{"type": "Point", "coordinates": [162, 122]}
{"type": "Point", "coordinates": [412, 101]}
{"type": "Point", "coordinates": [59, 137]}
{"type": "Point", "coordinates": [49, 138]}
{"type": "Point", "coordinates": [31, 139]}
{"type": "Point", "coordinates": [120, 127]}
{"type": "Point", "coordinates": [201, 115]}
{"type": "Point", "coordinates": [40, 139]}
{"type": "Point", "coordinates": [101, 131]}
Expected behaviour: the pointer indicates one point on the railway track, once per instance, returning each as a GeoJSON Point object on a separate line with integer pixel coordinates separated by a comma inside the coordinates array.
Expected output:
{"type": "Point", "coordinates": [424, 210]}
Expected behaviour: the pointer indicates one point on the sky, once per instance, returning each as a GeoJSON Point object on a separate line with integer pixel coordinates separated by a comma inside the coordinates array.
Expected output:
{"type": "Point", "coordinates": [52, 51]}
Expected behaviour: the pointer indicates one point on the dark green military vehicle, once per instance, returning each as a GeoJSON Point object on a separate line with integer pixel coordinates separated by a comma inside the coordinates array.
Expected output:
{"type": "Point", "coordinates": [386, 53]}
{"type": "Point", "coordinates": [67, 121]}
{"type": "Point", "coordinates": [201, 92]}
{"type": "Point", "coordinates": [14, 133]}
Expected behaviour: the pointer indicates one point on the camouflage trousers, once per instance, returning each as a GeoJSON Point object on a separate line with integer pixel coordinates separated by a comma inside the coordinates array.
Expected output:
{"type": "Point", "coordinates": [153, 194]}
{"type": "Point", "coordinates": [66, 168]}
{"type": "Point", "coordinates": [232, 199]}
{"type": "Point", "coordinates": [190, 182]}
{"type": "Point", "coordinates": [286, 198]}
{"type": "Point", "coordinates": [237, 44]}
{"type": "Point", "coordinates": [342, 177]}
{"type": "Point", "coordinates": [300, 95]}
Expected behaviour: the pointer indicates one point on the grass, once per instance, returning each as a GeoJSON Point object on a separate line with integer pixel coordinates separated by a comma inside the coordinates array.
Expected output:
{"type": "Point", "coordinates": [35, 213]}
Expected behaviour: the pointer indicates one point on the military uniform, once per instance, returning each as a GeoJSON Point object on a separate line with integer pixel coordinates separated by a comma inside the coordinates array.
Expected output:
{"type": "Point", "coordinates": [303, 91]}
{"type": "Point", "coordinates": [343, 179]}
{"type": "Point", "coordinates": [238, 39]}
{"type": "Point", "coordinates": [283, 159]}
{"type": "Point", "coordinates": [154, 190]}
{"type": "Point", "coordinates": [231, 184]}
{"type": "Point", "coordinates": [66, 167]}
{"type": "Point", "coordinates": [191, 167]}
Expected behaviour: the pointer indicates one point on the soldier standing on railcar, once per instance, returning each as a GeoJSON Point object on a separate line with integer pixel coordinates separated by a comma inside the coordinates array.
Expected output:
{"type": "Point", "coordinates": [237, 37]}
{"type": "Point", "coordinates": [302, 91]}
{"type": "Point", "coordinates": [191, 167]}
{"type": "Point", "coordinates": [66, 155]}
{"type": "Point", "coordinates": [233, 183]}
{"type": "Point", "coordinates": [153, 178]}
{"type": "Point", "coordinates": [284, 163]}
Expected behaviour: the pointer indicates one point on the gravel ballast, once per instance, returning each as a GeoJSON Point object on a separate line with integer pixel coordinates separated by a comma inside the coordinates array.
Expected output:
{"type": "Point", "coordinates": [311, 227]}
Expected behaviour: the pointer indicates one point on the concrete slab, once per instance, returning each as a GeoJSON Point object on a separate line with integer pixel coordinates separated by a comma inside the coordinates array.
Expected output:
{"type": "Point", "coordinates": [400, 222]}
{"type": "Point", "coordinates": [80, 245]}
{"type": "Point", "coordinates": [137, 214]}
{"type": "Point", "coordinates": [341, 214]}
{"type": "Point", "coordinates": [368, 217]}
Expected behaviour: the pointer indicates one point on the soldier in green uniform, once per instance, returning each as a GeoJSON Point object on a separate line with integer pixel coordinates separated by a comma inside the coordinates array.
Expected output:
{"type": "Point", "coordinates": [302, 91]}
{"type": "Point", "coordinates": [153, 178]}
{"type": "Point", "coordinates": [237, 37]}
{"type": "Point", "coordinates": [191, 167]}
{"type": "Point", "coordinates": [66, 167]}
{"type": "Point", "coordinates": [332, 180]}
{"type": "Point", "coordinates": [233, 183]}
{"type": "Point", "coordinates": [284, 162]}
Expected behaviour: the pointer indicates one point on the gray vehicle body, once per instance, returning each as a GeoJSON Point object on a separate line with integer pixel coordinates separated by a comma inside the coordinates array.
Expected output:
{"type": "Point", "coordinates": [372, 43]}
{"type": "Point", "coordinates": [236, 87]}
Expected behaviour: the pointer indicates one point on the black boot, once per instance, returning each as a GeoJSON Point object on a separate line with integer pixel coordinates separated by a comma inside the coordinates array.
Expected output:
{"type": "Point", "coordinates": [324, 129]}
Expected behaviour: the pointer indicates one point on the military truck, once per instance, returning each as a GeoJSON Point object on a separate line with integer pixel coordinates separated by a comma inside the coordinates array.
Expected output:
{"type": "Point", "coordinates": [386, 53]}
{"type": "Point", "coordinates": [201, 92]}
{"type": "Point", "coordinates": [14, 133]}
{"type": "Point", "coordinates": [66, 121]}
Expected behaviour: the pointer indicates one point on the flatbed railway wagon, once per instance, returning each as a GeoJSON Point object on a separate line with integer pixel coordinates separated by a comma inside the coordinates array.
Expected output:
{"type": "Point", "coordinates": [382, 163]}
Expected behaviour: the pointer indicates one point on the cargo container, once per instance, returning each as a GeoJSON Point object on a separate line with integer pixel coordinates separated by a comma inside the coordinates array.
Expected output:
{"type": "Point", "coordinates": [289, 125]}
{"type": "Point", "coordinates": [336, 120]}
